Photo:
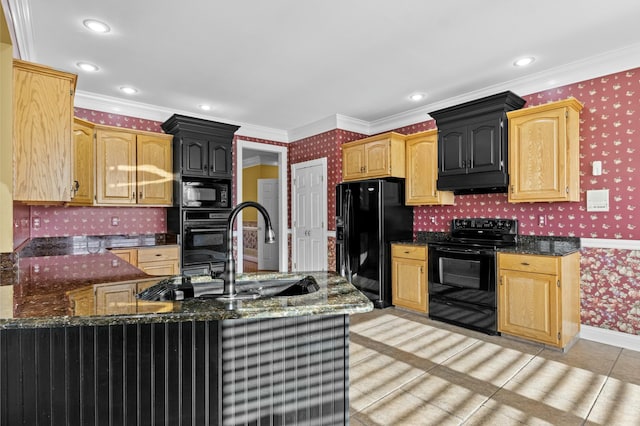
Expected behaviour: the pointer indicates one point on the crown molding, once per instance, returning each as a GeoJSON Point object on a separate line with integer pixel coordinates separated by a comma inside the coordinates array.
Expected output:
{"type": "Point", "coordinates": [18, 13]}
{"type": "Point", "coordinates": [611, 62]}
{"type": "Point", "coordinates": [114, 105]}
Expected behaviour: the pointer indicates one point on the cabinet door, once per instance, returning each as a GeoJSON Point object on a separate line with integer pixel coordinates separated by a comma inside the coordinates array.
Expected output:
{"type": "Point", "coordinates": [422, 171]}
{"type": "Point", "coordinates": [484, 150]}
{"type": "Point", "coordinates": [353, 162]}
{"type": "Point", "coordinates": [219, 159]}
{"type": "Point", "coordinates": [409, 289]}
{"type": "Point", "coordinates": [116, 299]}
{"type": "Point", "coordinates": [452, 151]}
{"type": "Point", "coordinates": [128, 255]}
{"type": "Point", "coordinates": [154, 165]}
{"type": "Point", "coordinates": [83, 163]}
{"type": "Point", "coordinates": [195, 158]}
{"type": "Point", "coordinates": [42, 133]}
{"type": "Point", "coordinates": [537, 157]}
{"type": "Point", "coordinates": [116, 167]}
{"type": "Point", "coordinates": [528, 305]}
{"type": "Point", "coordinates": [376, 158]}
{"type": "Point", "coordinates": [167, 267]}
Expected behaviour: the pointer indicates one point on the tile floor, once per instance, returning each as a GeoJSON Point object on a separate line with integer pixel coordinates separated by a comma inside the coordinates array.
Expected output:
{"type": "Point", "coordinates": [409, 370]}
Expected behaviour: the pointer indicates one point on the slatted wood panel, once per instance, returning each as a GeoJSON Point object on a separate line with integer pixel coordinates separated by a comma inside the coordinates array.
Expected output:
{"type": "Point", "coordinates": [284, 371]}
{"type": "Point", "coordinates": [146, 374]}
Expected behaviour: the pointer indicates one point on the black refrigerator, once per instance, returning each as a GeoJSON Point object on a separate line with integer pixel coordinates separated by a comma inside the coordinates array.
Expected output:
{"type": "Point", "coordinates": [370, 214]}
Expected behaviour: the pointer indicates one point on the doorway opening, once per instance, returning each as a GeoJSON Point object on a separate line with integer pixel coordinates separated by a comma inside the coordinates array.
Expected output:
{"type": "Point", "coordinates": [267, 163]}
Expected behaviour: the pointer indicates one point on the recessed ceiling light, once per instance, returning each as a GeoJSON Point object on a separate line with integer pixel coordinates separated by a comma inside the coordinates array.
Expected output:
{"type": "Point", "coordinates": [87, 66]}
{"type": "Point", "coordinates": [205, 107]}
{"type": "Point", "coordinates": [96, 26]}
{"type": "Point", "coordinates": [417, 97]}
{"type": "Point", "coordinates": [523, 62]}
{"type": "Point", "coordinates": [129, 90]}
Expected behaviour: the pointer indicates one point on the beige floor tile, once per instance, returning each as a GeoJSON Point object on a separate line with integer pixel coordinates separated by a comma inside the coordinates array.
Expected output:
{"type": "Point", "coordinates": [486, 416]}
{"type": "Point", "coordinates": [434, 344]}
{"type": "Point", "coordinates": [361, 347]}
{"type": "Point", "coordinates": [586, 354]}
{"type": "Point", "coordinates": [618, 404]}
{"type": "Point", "coordinates": [627, 367]}
{"type": "Point", "coordinates": [378, 376]}
{"type": "Point", "coordinates": [489, 362]}
{"type": "Point", "coordinates": [392, 330]}
{"type": "Point", "coordinates": [403, 409]}
{"type": "Point", "coordinates": [359, 322]}
{"type": "Point", "coordinates": [359, 400]}
{"type": "Point", "coordinates": [557, 385]}
{"type": "Point", "coordinates": [451, 391]}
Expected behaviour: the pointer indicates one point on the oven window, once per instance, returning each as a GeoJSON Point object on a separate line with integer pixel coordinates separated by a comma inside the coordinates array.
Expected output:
{"type": "Point", "coordinates": [208, 239]}
{"type": "Point", "coordinates": [460, 272]}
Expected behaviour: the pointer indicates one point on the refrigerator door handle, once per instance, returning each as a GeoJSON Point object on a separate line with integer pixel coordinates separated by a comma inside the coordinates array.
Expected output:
{"type": "Point", "coordinates": [347, 232]}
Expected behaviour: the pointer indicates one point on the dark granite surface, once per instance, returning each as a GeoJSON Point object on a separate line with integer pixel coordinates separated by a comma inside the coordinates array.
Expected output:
{"type": "Point", "coordinates": [55, 288]}
{"type": "Point", "coordinates": [527, 244]}
{"type": "Point", "coordinates": [58, 246]}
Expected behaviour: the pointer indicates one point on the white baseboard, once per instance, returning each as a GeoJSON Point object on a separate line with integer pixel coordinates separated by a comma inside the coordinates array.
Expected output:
{"type": "Point", "coordinates": [610, 337]}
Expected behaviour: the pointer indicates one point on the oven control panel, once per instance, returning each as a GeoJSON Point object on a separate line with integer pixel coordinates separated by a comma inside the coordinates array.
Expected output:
{"type": "Point", "coordinates": [503, 226]}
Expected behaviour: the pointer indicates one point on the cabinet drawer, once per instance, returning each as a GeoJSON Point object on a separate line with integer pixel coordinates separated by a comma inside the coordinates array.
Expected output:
{"type": "Point", "coordinates": [157, 253]}
{"type": "Point", "coordinates": [528, 263]}
{"type": "Point", "coordinates": [409, 251]}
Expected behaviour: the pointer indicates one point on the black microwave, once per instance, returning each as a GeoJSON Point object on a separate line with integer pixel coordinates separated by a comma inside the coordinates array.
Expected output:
{"type": "Point", "coordinates": [207, 194]}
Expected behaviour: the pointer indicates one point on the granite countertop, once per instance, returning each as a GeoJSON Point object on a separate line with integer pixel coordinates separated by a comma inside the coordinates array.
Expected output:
{"type": "Point", "coordinates": [58, 246]}
{"type": "Point", "coordinates": [61, 290]}
{"type": "Point", "coordinates": [527, 244]}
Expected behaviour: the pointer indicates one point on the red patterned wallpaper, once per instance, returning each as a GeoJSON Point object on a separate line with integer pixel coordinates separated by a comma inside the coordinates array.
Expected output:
{"type": "Point", "coordinates": [56, 221]}
{"type": "Point", "coordinates": [609, 132]}
{"type": "Point", "coordinates": [116, 120]}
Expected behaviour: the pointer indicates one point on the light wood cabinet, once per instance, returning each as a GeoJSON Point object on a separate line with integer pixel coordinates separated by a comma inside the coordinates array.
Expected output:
{"type": "Point", "coordinates": [409, 277]}
{"type": "Point", "coordinates": [377, 156]}
{"type": "Point", "coordinates": [539, 297]}
{"type": "Point", "coordinates": [42, 136]}
{"type": "Point", "coordinates": [421, 151]}
{"type": "Point", "coordinates": [160, 260]}
{"type": "Point", "coordinates": [83, 163]}
{"type": "Point", "coordinates": [544, 161]}
{"type": "Point", "coordinates": [133, 167]}
{"type": "Point", "coordinates": [114, 299]}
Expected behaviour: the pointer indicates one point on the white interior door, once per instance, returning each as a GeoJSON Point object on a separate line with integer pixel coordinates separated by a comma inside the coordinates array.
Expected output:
{"type": "Point", "coordinates": [268, 197]}
{"type": "Point", "coordinates": [309, 211]}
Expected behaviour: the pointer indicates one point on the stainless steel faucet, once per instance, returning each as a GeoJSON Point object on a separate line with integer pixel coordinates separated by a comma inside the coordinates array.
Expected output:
{"type": "Point", "coordinates": [229, 273]}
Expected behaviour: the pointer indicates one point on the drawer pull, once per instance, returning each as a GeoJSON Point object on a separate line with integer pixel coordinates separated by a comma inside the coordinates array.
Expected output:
{"type": "Point", "coordinates": [524, 264]}
{"type": "Point", "coordinates": [407, 252]}
{"type": "Point", "coordinates": [158, 254]}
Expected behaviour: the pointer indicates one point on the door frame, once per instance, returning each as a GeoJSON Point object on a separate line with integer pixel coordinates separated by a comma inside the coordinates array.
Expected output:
{"type": "Point", "coordinates": [322, 162]}
{"type": "Point", "coordinates": [283, 238]}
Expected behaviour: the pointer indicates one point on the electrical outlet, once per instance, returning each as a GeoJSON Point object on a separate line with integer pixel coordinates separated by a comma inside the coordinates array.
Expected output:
{"type": "Point", "coordinates": [36, 222]}
{"type": "Point", "coordinates": [432, 219]}
{"type": "Point", "coordinates": [115, 221]}
{"type": "Point", "coordinates": [542, 220]}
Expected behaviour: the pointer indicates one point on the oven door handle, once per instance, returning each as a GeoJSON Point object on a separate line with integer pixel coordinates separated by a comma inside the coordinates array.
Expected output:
{"type": "Point", "coordinates": [205, 229]}
{"type": "Point", "coordinates": [465, 251]}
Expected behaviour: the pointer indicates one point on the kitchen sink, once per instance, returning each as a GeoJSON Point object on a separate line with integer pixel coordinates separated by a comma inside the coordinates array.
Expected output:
{"type": "Point", "coordinates": [181, 288]}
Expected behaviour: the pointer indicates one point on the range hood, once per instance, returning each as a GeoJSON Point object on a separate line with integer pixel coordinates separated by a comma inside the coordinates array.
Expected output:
{"type": "Point", "coordinates": [472, 144]}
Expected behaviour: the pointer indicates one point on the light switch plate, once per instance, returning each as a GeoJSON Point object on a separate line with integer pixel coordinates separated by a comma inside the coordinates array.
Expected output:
{"type": "Point", "coordinates": [598, 200]}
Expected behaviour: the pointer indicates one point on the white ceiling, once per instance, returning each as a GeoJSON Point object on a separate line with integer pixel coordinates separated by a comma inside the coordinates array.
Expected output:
{"type": "Point", "coordinates": [285, 69]}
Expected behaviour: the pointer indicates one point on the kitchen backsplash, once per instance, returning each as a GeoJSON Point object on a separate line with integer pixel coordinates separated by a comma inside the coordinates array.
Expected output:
{"type": "Point", "coordinates": [56, 221]}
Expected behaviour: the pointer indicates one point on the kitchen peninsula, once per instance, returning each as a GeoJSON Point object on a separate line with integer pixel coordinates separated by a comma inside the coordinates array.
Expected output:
{"type": "Point", "coordinates": [67, 357]}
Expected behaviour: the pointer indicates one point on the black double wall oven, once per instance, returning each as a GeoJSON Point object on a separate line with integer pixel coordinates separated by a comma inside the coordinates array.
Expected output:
{"type": "Point", "coordinates": [202, 191]}
{"type": "Point", "coordinates": [462, 272]}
